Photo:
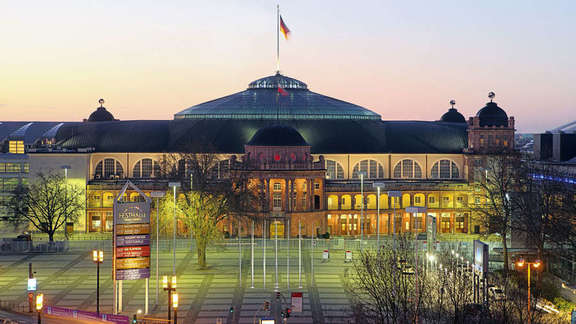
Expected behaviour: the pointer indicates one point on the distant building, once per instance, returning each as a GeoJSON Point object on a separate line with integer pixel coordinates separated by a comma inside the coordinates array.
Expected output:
{"type": "Point", "coordinates": [307, 154]}
{"type": "Point", "coordinates": [557, 147]}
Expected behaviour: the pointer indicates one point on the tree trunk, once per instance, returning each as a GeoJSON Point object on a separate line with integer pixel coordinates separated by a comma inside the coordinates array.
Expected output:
{"type": "Point", "coordinates": [201, 250]}
{"type": "Point", "coordinates": [51, 236]}
{"type": "Point", "coordinates": [505, 250]}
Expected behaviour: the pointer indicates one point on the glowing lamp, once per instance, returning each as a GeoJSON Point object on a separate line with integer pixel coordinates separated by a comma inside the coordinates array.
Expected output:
{"type": "Point", "coordinates": [175, 300]}
{"type": "Point", "coordinates": [39, 302]}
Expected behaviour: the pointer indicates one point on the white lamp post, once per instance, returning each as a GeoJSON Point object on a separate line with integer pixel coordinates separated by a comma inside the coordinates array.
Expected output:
{"type": "Point", "coordinates": [174, 185]}
{"type": "Point", "coordinates": [157, 195]}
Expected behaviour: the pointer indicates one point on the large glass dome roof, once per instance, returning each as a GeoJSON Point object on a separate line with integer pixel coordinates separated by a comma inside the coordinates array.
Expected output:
{"type": "Point", "coordinates": [263, 100]}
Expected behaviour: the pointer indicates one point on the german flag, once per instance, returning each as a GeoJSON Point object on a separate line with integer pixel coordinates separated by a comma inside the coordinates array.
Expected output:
{"type": "Point", "coordinates": [284, 29]}
{"type": "Point", "coordinates": [282, 92]}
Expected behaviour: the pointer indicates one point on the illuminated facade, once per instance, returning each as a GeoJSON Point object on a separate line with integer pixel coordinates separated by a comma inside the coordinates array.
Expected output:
{"type": "Point", "coordinates": [307, 155]}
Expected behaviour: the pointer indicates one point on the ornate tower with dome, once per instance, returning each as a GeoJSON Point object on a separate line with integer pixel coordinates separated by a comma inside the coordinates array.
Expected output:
{"type": "Point", "coordinates": [491, 130]}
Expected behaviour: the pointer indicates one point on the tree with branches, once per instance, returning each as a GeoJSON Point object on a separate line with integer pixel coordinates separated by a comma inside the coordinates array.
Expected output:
{"type": "Point", "coordinates": [212, 192]}
{"type": "Point", "coordinates": [47, 203]}
{"type": "Point", "coordinates": [493, 207]}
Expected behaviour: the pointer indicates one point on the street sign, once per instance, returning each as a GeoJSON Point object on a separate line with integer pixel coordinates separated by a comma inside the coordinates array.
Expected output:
{"type": "Point", "coordinates": [325, 255]}
{"type": "Point", "coordinates": [131, 236]}
{"type": "Point", "coordinates": [573, 317]}
{"type": "Point", "coordinates": [31, 284]}
{"type": "Point", "coordinates": [415, 210]}
{"type": "Point", "coordinates": [348, 256]}
{"type": "Point", "coordinates": [395, 193]}
{"type": "Point", "coordinates": [297, 302]}
{"type": "Point", "coordinates": [480, 256]}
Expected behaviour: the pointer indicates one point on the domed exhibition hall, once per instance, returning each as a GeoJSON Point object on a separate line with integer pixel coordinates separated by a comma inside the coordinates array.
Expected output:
{"type": "Point", "coordinates": [310, 158]}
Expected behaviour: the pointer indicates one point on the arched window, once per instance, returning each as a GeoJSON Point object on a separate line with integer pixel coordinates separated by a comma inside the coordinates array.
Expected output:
{"type": "Point", "coordinates": [334, 170]}
{"type": "Point", "coordinates": [445, 169]}
{"type": "Point", "coordinates": [407, 169]}
{"type": "Point", "coordinates": [108, 169]}
{"type": "Point", "coordinates": [371, 169]}
{"type": "Point", "coordinates": [146, 168]}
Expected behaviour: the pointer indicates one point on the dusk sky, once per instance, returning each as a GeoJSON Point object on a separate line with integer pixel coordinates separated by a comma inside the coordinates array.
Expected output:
{"type": "Point", "coordinates": [402, 59]}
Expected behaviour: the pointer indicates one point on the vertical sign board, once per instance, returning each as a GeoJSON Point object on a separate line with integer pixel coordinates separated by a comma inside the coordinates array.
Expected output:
{"type": "Point", "coordinates": [297, 302]}
{"type": "Point", "coordinates": [132, 238]}
{"type": "Point", "coordinates": [480, 257]}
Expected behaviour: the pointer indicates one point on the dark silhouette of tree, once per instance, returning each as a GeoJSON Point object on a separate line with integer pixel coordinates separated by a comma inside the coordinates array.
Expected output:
{"type": "Point", "coordinates": [47, 203]}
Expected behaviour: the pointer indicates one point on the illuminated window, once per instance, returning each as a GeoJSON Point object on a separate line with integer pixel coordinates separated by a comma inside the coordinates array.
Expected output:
{"type": "Point", "coordinates": [16, 147]}
{"type": "Point", "coordinates": [108, 169]}
{"type": "Point", "coordinates": [277, 186]}
{"type": "Point", "coordinates": [407, 169]}
{"type": "Point", "coordinates": [334, 170]}
{"type": "Point", "coordinates": [417, 200]}
{"type": "Point", "coordinates": [317, 186]}
{"type": "Point", "coordinates": [371, 169]}
{"type": "Point", "coordinates": [444, 169]}
{"type": "Point", "coordinates": [13, 167]}
{"type": "Point", "coordinates": [146, 168]}
{"type": "Point", "coordinates": [431, 200]}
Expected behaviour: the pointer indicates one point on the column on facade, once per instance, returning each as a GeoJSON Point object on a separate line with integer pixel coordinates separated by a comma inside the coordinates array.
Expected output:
{"type": "Point", "coordinates": [286, 197]}
{"type": "Point", "coordinates": [310, 193]}
{"type": "Point", "coordinates": [452, 222]}
{"type": "Point", "coordinates": [267, 193]}
{"type": "Point", "coordinates": [292, 200]}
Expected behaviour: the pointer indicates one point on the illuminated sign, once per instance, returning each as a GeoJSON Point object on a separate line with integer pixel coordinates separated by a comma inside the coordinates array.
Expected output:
{"type": "Point", "coordinates": [130, 229]}
{"type": "Point", "coordinates": [31, 284]}
{"type": "Point", "coordinates": [131, 236]}
{"type": "Point", "coordinates": [133, 263]}
{"type": "Point", "coordinates": [132, 251]}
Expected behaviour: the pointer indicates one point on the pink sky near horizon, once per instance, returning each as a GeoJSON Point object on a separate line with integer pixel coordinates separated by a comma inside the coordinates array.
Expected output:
{"type": "Point", "coordinates": [149, 60]}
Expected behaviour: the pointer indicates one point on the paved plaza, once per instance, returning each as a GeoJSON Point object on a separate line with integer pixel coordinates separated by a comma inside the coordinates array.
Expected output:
{"type": "Point", "coordinates": [206, 296]}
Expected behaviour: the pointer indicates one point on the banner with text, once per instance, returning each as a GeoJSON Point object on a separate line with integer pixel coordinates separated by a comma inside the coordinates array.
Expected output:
{"type": "Point", "coordinates": [132, 240]}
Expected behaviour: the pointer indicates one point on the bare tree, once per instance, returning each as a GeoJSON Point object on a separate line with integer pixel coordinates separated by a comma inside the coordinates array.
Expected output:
{"type": "Point", "coordinates": [385, 287]}
{"type": "Point", "coordinates": [493, 207]}
{"type": "Point", "coordinates": [48, 203]}
{"type": "Point", "coordinates": [543, 207]}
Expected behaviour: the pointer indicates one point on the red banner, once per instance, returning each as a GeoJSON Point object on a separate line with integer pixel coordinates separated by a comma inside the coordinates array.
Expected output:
{"type": "Point", "coordinates": [133, 251]}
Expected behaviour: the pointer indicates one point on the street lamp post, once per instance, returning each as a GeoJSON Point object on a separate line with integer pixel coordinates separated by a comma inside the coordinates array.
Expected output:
{"type": "Point", "coordinates": [175, 306]}
{"type": "Point", "coordinates": [174, 185]}
{"type": "Point", "coordinates": [97, 257]}
{"type": "Point", "coordinates": [361, 208]}
{"type": "Point", "coordinates": [378, 217]}
{"type": "Point", "coordinates": [169, 285]}
{"type": "Point", "coordinates": [66, 168]}
{"type": "Point", "coordinates": [39, 306]}
{"type": "Point", "coordinates": [536, 265]}
{"type": "Point", "coordinates": [157, 195]}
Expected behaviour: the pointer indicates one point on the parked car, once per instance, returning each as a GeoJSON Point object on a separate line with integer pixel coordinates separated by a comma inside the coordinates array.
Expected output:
{"type": "Point", "coordinates": [496, 293]}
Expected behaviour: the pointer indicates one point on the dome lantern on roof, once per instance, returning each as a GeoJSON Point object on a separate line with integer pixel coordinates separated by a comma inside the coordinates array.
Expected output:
{"type": "Point", "coordinates": [452, 115]}
{"type": "Point", "coordinates": [101, 114]}
{"type": "Point", "coordinates": [277, 135]}
{"type": "Point", "coordinates": [491, 114]}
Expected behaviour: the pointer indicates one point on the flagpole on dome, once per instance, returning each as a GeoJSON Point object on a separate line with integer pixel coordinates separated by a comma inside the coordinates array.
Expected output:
{"type": "Point", "coordinates": [277, 38]}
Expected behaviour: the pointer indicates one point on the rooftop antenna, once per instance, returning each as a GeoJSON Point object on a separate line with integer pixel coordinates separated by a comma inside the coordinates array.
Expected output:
{"type": "Point", "coordinates": [452, 103]}
{"type": "Point", "coordinates": [491, 95]}
{"type": "Point", "coordinates": [101, 102]}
